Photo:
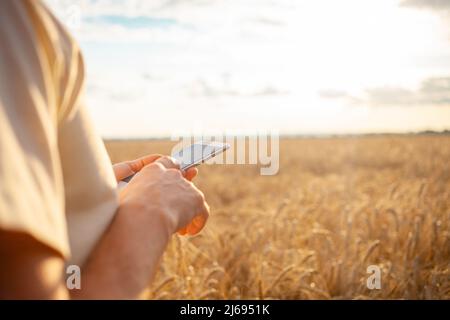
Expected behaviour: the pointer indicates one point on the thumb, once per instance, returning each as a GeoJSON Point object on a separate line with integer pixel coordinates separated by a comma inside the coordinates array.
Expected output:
{"type": "Point", "coordinates": [122, 170]}
{"type": "Point", "coordinates": [127, 168]}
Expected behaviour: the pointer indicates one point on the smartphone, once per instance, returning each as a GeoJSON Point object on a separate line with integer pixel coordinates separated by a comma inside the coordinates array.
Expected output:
{"type": "Point", "coordinates": [194, 155]}
{"type": "Point", "coordinates": [198, 153]}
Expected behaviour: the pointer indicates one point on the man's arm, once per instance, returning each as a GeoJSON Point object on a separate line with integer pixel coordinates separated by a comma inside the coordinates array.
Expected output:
{"type": "Point", "coordinates": [120, 267]}
{"type": "Point", "coordinates": [157, 202]}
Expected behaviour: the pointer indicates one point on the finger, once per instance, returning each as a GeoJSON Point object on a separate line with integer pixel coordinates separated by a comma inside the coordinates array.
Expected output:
{"type": "Point", "coordinates": [138, 164]}
{"type": "Point", "coordinates": [127, 168]}
{"type": "Point", "coordinates": [168, 162]}
{"type": "Point", "coordinates": [196, 225]}
{"type": "Point", "coordinates": [182, 231]}
{"type": "Point", "coordinates": [191, 173]}
{"type": "Point", "coordinates": [122, 170]}
{"type": "Point", "coordinates": [199, 222]}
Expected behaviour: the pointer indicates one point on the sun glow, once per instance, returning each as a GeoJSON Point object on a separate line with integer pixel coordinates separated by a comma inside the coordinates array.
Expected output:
{"type": "Point", "coordinates": [295, 66]}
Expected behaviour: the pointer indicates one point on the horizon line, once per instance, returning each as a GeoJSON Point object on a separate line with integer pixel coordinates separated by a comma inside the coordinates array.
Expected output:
{"type": "Point", "coordinates": [301, 135]}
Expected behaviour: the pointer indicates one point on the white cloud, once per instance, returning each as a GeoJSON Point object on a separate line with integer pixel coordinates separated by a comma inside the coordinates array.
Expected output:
{"type": "Point", "coordinates": [224, 86]}
{"type": "Point", "coordinates": [428, 4]}
{"type": "Point", "coordinates": [434, 91]}
{"type": "Point", "coordinates": [254, 55]}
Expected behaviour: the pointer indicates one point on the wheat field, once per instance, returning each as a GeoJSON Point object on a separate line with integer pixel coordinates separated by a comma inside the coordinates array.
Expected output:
{"type": "Point", "coordinates": [336, 206]}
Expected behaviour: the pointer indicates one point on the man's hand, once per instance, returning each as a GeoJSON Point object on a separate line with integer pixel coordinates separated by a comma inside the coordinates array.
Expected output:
{"type": "Point", "coordinates": [162, 186]}
{"type": "Point", "coordinates": [157, 202]}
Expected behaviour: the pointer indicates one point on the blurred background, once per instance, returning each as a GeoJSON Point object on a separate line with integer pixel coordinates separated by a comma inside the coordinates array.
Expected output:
{"type": "Point", "coordinates": [155, 68]}
{"type": "Point", "coordinates": [338, 205]}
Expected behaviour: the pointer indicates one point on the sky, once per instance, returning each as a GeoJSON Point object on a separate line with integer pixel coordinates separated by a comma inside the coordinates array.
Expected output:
{"type": "Point", "coordinates": [168, 67]}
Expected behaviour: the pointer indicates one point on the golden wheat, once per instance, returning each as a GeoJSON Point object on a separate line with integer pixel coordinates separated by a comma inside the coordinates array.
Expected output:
{"type": "Point", "coordinates": [335, 207]}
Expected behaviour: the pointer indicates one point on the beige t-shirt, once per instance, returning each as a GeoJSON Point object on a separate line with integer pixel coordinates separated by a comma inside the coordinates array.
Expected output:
{"type": "Point", "coordinates": [56, 180]}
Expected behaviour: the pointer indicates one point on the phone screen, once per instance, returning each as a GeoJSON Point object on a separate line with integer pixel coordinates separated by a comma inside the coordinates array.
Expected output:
{"type": "Point", "coordinates": [198, 153]}
{"type": "Point", "coordinates": [195, 154]}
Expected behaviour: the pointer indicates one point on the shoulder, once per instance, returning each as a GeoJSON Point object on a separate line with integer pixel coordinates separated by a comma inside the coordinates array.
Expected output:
{"type": "Point", "coordinates": [67, 60]}
{"type": "Point", "coordinates": [44, 53]}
